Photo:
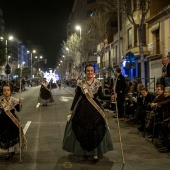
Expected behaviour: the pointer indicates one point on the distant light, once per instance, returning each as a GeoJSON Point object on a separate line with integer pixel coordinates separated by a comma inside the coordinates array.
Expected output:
{"type": "Point", "coordinates": [78, 27]}
{"type": "Point", "coordinates": [11, 38]}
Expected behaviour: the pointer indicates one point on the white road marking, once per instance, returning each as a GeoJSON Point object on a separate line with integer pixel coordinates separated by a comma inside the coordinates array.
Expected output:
{"type": "Point", "coordinates": [70, 92]}
{"type": "Point", "coordinates": [38, 104]}
{"type": "Point", "coordinates": [26, 127]}
{"type": "Point", "coordinates": [65, 99]}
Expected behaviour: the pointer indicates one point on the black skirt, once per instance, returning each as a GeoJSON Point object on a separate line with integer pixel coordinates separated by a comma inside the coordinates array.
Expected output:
{"type": "Point", "coordinates": [9, 132]}
{"type": "Point", "coordinates": [88, 125]}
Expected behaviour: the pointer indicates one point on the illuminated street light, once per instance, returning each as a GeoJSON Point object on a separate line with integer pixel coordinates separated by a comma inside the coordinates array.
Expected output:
{"type": "Point", "coordinates": [38, 59]}
{"type": "Point", "coordinates": [67, 49]}
{"type": "Point", "coordinates": [78, 28]}
{"type": "Point", "coordinates": [34, 51]}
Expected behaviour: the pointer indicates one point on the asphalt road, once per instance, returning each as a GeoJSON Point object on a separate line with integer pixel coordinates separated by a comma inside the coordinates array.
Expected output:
{"type": "Point", "coordinates": [44, 128]}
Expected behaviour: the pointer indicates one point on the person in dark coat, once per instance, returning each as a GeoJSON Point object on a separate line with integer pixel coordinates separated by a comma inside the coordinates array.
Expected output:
{"type": "Point", "coordinates": [119, 92]}
{"type": "Point", "coordinates": [164, 126]}
{"type": "Point", "coordinates": [165, 78]}
{"type": "Point", "coordinates": [147, 98]}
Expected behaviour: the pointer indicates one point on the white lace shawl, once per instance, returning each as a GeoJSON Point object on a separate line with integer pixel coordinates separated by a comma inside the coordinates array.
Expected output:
{"type": "Point", "coordinates": [11, 103]}
{"type": "Point", "coordinates": [92, 89]}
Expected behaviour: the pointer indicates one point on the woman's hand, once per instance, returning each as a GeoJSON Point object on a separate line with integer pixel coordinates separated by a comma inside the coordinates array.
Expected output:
{"type": "Point", "coordinates": [114, 96]}
{"type": "Point", "coordinates": [20, 101]}
{"type": "Point", "coordinates": [69, 116]}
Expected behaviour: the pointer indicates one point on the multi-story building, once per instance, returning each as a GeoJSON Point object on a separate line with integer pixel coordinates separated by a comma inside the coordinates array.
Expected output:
{"type": "Point", "coordinates": [80, 12]}
{"type": "Point", "coordinates": [158, 27]}
{"type": "Point", "coordinates": [124, 40]}
{"type": "Point", "coordinates": [15, 51]}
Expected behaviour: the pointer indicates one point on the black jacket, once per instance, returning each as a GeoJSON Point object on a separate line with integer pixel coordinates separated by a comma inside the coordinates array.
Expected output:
{"type": "Point", "coordinates": [120, 85]}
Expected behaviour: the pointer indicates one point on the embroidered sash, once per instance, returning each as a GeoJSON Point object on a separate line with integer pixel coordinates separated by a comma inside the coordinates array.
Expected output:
{"type": "Point", "coordinates": [45, 87]}
{"type": "Point", "coordinates": [16, 122]}
{"type": "Point", "coordinates": [9, 114]}
{"type": "Point", "coordinates": [85, 90]}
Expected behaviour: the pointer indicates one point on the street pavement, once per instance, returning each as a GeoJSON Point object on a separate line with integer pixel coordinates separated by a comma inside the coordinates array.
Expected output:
{"type": "Point", "coordinates": [44, 128]}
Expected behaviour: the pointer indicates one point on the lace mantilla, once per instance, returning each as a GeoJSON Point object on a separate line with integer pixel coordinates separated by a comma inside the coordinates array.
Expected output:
{"type": "Point", "coordinates": [92, 89]}
{"type": "Point", "coordinates": [9, 104]}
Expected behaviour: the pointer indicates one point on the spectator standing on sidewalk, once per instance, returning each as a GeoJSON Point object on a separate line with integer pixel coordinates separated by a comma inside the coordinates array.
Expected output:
{"type": "Point", "coordinates": [165, 78]}
{"type": "Point", "coordinates": [119, 92]}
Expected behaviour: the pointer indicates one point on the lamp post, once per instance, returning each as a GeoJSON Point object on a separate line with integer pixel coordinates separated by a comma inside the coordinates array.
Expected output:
{"type": "Point", "coordinates": [79, 28]}
{"type": "Point", "coordinates": [31, 53]}
{"type": "Point", "coordinates": [38, 59]}
{"type": "Point", "coordinates": [7, 67]}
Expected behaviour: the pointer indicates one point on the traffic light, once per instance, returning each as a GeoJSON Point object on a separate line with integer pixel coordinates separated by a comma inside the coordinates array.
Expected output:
{"type": "Point", "coordinates": [7, 69]}
{"type": "Point", "coordinates": [45, 61]}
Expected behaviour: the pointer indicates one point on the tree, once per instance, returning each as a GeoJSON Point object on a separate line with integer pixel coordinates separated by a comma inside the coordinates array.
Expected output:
{"type": "Point", "coordinates": [128, 7]}
{"type": "Point", "coordinates": [25, 72]}
{"type": "Point", "coordinates": [86, 45]}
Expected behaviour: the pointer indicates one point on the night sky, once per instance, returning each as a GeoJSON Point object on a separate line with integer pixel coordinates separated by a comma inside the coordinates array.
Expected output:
{"type": "Point", "coordinates": [41, 22]}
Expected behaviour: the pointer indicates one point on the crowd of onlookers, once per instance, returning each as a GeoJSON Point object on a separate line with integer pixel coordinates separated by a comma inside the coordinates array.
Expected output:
{"type": "Point", "coordinates": [16, 84]}
{"type": "Point", "coordinates": [149, 111]}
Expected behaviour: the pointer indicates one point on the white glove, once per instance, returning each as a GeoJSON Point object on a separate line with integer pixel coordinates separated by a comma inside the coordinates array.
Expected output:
{"type": "Point", "coordinates": [68, 118]}
{"type": "Point", "coordinates": [134, 99]}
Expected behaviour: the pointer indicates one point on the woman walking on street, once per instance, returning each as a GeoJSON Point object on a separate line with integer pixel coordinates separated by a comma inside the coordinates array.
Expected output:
{"type": "Point", "coordinates": [45, 95]}
{"type": "Point", "coordinates": [87, 132]}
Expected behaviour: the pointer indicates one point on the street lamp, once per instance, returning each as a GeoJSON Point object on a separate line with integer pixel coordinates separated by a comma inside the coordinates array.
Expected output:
{"type": "Point", "coordinates": [38, 59]}
{"type": "Point", "coordinates": [78, 28]}
{"type": "Point", "coordinates": [31, 53]}
{"type": "Point", "coordinates": [7, 67]}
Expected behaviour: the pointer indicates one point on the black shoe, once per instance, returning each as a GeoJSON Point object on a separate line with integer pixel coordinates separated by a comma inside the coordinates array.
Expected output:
{"type": "Point", "coordinates": [7, 157]}
{"type": "Point", "coordinates": [85, 157]}
{"type": "Point", "coordinates": [141, 128]}
{"type": "Point", "coordinates": [94, 161]}
{"type": "Point", "coordinates": [150, 136]}
{"type": "Point", "coordinates": [158, 144]}
{"type": "Point", "coordinates": [163, 149]}
{"type": "Point", "coordinates": [12, 154]}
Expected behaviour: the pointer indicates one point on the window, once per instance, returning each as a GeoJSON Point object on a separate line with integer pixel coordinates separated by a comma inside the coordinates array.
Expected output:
{"type": "Point", "coordinates": [90, 13]}
{"type": "Point", "coordinates": [130, 38]}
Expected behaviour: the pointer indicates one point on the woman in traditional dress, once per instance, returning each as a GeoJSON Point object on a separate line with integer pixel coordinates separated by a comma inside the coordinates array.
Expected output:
{"type": "Point", "coordinates": [87, 132]}
{"type": "Point", "coordinates": [45, 95]}
{"type": "Point", "coordinates": [9, 122]}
